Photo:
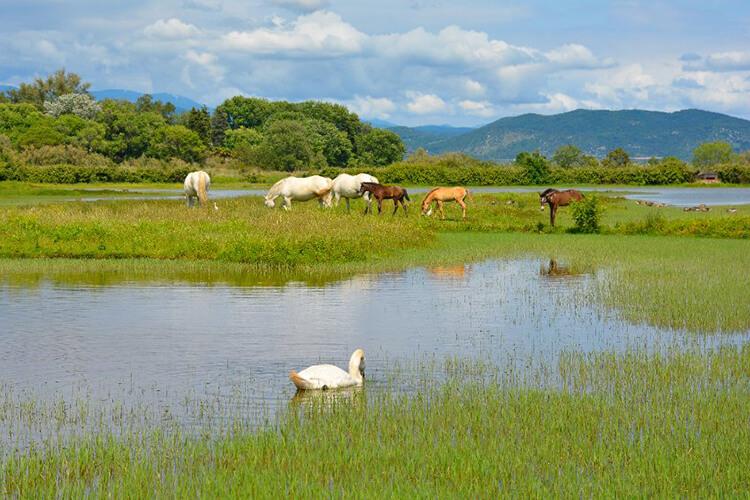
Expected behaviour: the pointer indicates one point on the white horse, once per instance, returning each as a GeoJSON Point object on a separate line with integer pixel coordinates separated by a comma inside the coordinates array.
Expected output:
{"type": "Point", "coordinates": [347, 186]}
{"type": "Point", "coordinates": [301, 189]}
{"type": "Point", "coordinates": [196, 186]}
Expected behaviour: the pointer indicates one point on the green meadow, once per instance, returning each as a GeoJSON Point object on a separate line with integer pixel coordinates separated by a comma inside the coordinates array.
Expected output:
{"type": "Point", "coordinates": [665, 422]}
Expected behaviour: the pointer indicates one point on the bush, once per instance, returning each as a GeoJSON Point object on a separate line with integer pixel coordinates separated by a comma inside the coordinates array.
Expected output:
{"type": "Point", "coordinates": [73, 174]}
{"type": "Point", "coordinates": [587, 214]}
{"type": "Point", "coordinates": [56, 155]}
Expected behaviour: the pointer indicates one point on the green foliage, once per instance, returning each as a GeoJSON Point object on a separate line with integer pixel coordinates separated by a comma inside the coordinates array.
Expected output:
{"type": "Point", "coordinates": [62, 155]}
{"type": "Point", "coordinates": [710, 154]}
{"type": "Point", "coordinates": [379, 147]}
{"type": "Point", "coordinates": [617, 158]}
{"type": "Point", "coordinates": [248, 112]}
{"type": "Point", "coordinates": [535, 166]}
{"type": "Point", "coordinates": [56, 85]}
{"type": "Point", "coordinates": [199, 121]}
{"type": "Point", "coordinates": [219, 126]}
{"type": "Point", "coordinates": [587, 214]}
{"type": "Point", "coordinates": [288, 146]}
{"type": "Point", "coordinates": [735, 173]}
{"type": "Point", "coordinates": [176, 141]}
{"type": "Point", "coordinates": [146, 104]}
{"type": "Point", "coordinates": [72, 174]}
{"type": "Point", "coordinates": [129, 133]}
{"type": "Point", "coordinates": [569, 156]}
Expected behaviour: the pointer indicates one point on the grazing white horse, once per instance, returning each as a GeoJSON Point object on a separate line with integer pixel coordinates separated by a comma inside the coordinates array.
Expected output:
{"type": "Point", "coordinates": [301, 189]}
{"type": "Point", "coordinates": [196, 187]}
{"type": "Point", "coordinates": [347, 186]}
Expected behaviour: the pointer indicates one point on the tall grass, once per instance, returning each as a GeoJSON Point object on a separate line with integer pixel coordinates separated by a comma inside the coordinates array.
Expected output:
{"type": "Point", "coordinates": [663, 424]}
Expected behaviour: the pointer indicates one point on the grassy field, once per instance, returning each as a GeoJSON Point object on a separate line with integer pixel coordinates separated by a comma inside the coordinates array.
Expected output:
{"type": "Point", "coordinates": [665, 424]}
{"type": "Point", "coordinates": [668, 423]}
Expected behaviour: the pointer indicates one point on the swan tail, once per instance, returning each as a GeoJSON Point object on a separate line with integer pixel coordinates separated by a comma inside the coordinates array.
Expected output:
{"type": "Point", "coordinates": [298, 381]}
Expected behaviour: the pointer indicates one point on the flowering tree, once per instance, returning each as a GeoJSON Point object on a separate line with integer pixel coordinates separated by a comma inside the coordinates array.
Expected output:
{"type": "Point", "coordinates": [82, 105]}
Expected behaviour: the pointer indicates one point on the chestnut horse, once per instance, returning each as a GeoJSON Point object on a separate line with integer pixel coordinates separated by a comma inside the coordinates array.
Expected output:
{"type": "Point", "coordinates": [381, 192]}
{"type": "Point", "coordinates": [555, 198]}
{"type": "Point", "coordinates": [443, 194]}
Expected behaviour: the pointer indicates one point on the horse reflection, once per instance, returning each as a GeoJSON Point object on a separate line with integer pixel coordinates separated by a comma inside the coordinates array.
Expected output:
{"type": "Point", "coordinates": [448, 272]}
{"type": "Point", "coordinates": [554, 270]}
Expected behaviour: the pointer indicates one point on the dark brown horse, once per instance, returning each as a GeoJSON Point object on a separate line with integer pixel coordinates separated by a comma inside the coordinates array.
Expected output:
{"type": "Point", "coordinates": [555, 198]}
{"type": "Point", "coordinates": [381, 192]}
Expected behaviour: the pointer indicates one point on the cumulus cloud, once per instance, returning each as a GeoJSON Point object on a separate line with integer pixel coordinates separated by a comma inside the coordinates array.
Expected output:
{"type": "Point", "coordinates": [207, 62]}
{"type": "Point", "coordinates": [372, 107]}
{"type": "Point", "coordinates": [425, 104]}
{"type": "Point", "coordinates": [170, 29]}
{"type": "Point", "coordinates": [477, 108]}
{"type": "Point", "coordinates": [473, 87]}
{"type": "Point", "coordinates": [322, 33]}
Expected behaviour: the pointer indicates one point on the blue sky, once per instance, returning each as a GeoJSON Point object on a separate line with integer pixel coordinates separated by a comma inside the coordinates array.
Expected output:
{"type": "Point", "coordinates": [409, 62]}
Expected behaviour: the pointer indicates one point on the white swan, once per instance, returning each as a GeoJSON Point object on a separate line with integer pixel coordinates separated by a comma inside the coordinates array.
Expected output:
{"type": "Point", "coordinates": [331, 377]}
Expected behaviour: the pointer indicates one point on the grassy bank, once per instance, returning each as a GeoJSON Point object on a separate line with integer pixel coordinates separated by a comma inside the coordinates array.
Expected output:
{"type": "Point", "coordinates": [669, 424]}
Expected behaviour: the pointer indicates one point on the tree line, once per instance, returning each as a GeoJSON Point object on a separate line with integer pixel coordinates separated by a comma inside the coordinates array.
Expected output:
{"type": "Point", "coordinates": [58, 111]}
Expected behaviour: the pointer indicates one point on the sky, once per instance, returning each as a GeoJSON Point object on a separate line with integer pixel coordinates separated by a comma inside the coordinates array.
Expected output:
{"type": "Point", "coordinates": [410, 62]}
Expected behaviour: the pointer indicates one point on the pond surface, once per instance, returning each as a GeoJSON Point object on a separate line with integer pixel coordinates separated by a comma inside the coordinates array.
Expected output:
{"type": "Point", "coordinates": [157, 342]}
{"type": "Point", "coordinates": [680, 197]}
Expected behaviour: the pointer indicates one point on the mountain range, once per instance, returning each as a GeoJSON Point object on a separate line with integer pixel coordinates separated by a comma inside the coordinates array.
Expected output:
{"type": "Point", "coordinates": [641, 133]}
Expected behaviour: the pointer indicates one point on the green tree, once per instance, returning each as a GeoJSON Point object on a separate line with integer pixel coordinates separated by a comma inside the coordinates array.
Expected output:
{"type": "Point", "coordinates": [146, 104]}
{"type": "Point", "coordinates": [243, 143]}
{"type": "Point", "coordinates": [249, 112]}
{"type": "Point", "coordinates": [288, 145]}
{"type": "Point", "coordinates": [568, 156]}
{"type": "Point", "coordinates": [177, 141]}
{"type": "Point", "coordinates": [219, 126]}
{"type": "Point", "coordinates": [535, 165]}
{"type": "Point", "coordinates": [709, 154]}
{"type": "Point", "coordinates": [128, 132]}
{"type": "Point", "coordinates": [617, 158]}
{"type": "Point", "coordinates": [199, 121]}
{"type": "Point", "coordinates": [43, 133]}
{"type": "Point", "coordinates": [379, 147]}
{"type": "Point", "coordinates": [47, 89]}
{"type": "Point", "coordinates": [333, 143]}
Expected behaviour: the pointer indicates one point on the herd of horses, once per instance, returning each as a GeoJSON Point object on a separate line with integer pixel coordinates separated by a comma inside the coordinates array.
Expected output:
{"type": "Point", "coordinates": [329, 193]}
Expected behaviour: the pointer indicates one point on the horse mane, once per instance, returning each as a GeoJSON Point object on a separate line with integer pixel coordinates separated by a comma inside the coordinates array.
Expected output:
{"type": "Point", "coordinates": [275, 187]}
{"type": "Point", "coordinates": [547, 191]}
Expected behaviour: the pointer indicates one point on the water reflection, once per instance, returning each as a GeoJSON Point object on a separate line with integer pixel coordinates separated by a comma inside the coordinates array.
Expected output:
{"type": "Point", "coordinates": [450, 272]}
{"type": "Point", "coordinates": [556, 271]}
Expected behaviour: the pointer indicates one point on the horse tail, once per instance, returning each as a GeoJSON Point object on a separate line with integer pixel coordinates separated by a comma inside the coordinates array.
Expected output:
{"type": "Point", "coordinates": [202, 193]}
{"type": "Point", "coordinates": [406, 195]}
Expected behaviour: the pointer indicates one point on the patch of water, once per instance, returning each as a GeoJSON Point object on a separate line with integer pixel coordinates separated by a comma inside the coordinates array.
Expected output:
{"type": "Point", "coordinates": [153, 344]}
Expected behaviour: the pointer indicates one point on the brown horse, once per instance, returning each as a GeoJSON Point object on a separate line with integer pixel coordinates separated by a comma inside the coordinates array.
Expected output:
{"type": "Point", "coordinates": [381, 192]}
{"type": "Point", "coordinates": [555, 198]}
{"type": "Point", "coordinates": [443, 194]}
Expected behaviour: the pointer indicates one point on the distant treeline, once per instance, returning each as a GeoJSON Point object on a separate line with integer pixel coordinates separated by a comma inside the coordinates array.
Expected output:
{"type": "Point", "coordinates": [51, 130]}
{"type": "Point", "coordinates": [57, 118]}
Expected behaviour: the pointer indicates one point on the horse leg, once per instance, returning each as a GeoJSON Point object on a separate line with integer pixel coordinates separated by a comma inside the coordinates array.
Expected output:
{"type": "Point", "coordinates": [403, 205]}
{"type": "Point", "coordinates": [347, 205]}
{"type": "Point", "coordinates": [463, 207]}
{"type": "Point", "coordinates": [188, 201]}
{"type": "Point", "coordinates": [287, 203]}
{"type": "Point", "coordinates": [380, 205]}
{"type": "Point", "coordinates": [440, 209]}
{"type": "Point", "coordinates": [552, 213]}
{"type": "Point", "coordinates": [395, 205]}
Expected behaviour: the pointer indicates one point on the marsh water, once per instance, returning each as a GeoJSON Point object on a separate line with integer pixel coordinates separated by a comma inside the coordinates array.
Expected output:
{"type": "Point", "coordinates": [679, 197]}
{"type": "Point", "coordinates": [162, 342]}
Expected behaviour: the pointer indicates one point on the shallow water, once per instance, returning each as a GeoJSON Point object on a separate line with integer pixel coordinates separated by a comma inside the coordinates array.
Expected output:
{"type": "Point", "coordinates": [153, 344]}
{"type": "Point", "coordinates": [680, 197]}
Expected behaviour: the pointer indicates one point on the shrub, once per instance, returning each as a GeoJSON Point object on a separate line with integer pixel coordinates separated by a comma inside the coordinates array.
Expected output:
{"type": "Point", "coordinates": [60, 154]}
{"type": "Point", "coordinates": [587, 214]}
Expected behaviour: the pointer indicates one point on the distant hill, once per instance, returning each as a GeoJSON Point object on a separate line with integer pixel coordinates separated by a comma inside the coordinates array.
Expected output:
{"type": "Point", "coordinates": [640, 133]}
{"type": "Point", "coordinates": [427, 136]}
{"type": "Point", "coordinates": [181, 103]}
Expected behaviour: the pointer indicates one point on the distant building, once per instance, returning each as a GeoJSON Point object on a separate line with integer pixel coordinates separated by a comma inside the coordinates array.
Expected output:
{"type": "Point", "coordinates": [708, 177]}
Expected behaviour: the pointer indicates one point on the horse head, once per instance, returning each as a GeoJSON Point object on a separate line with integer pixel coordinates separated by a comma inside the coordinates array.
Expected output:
{"type": "Point", "coordinates": [544, 197]}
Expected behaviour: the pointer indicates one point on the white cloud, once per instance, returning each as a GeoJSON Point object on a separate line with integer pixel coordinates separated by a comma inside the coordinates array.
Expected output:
{"type": "Point", "coordinates": [208, 63]}
{"type": "Point", "coordinates": [478, 108]}
{"type": "Point", "coordinates": [321, 33]}
{"type": "Point", "coordinates": [170, 29]}
{"type": "Point", "coordinates": [728, 61]}
{"type": "Point", "coordinates": [555, 103]}
{"type": "Point", "coordinates": [372, 107]}
{"type": "Point", "coordinates": [424, 104]}
{"type": "Point", "coordinates": [473, 87]}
